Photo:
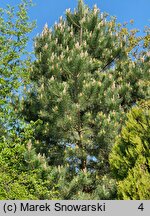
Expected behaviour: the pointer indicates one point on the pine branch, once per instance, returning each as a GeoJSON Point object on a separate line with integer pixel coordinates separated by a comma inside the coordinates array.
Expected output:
{"type": "Point", "coordinates": [110, 62]}
{"type": "Point", "coordinates": [74, 22]}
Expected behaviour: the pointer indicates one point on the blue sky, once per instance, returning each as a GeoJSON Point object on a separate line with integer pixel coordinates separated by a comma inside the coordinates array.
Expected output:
{"type": "Point", "coordinates": [48, 11]}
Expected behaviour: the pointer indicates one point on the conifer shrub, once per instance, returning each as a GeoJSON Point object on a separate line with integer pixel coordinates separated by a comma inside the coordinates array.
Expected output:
{"type": "Point", "coordinates": [130, 156]}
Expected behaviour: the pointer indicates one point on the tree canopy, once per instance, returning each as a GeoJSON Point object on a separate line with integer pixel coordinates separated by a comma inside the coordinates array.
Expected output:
{"type": "Point", "coordinates": [58, 134]}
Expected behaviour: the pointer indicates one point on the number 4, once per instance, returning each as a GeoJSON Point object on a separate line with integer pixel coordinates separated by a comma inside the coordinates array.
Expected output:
{"type": "Point", "coordinates": [141, 207]}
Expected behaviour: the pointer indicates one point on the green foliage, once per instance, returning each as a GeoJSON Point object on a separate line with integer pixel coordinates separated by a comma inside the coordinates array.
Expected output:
{"type": "Point", "coordinates": [23, 173]}
{"type": "Point", "coordinates": [14, 59]}
{"type": "Point", "coordinates": [83, 82]}
{"type": "Point", "coordinates": [130, 156]}
{"type": "Point", "coordinates": [14, 27]}
{"type": "Point", "coordinates": [136, 185]}
{"type": "Point", "coordinates": [83, 186]}
{"type": "Point", "coordinates": [56, 136]}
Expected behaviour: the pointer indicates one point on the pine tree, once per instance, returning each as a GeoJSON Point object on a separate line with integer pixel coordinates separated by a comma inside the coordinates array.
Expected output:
{"type": "Point", "coordinates": [83, 81]}
{"type": "Point", "coordinates": [130, 156]}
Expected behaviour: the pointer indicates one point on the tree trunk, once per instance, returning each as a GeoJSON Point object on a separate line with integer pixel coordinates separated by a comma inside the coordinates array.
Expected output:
{"type": "Point", "coordinates": [83, 165]}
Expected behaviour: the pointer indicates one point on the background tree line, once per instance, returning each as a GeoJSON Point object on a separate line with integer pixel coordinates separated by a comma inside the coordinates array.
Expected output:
{"type": "Point", "coordinates": [74, 123]}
